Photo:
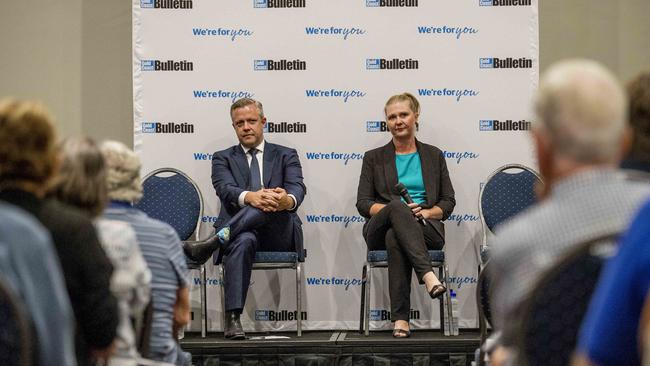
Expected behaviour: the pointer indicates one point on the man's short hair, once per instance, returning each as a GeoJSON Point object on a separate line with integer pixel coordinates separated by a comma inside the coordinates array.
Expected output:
{"type": "Point", "coordinates": [27, 143]}
{"type": "Point", "coordinates": [581, 107]}
{"type": "Point", "coordinates": [123, 172]}
{"type": "Point", "coordinates": [638, 91]}
{"type": "Point", "coordinates": [243, 102]}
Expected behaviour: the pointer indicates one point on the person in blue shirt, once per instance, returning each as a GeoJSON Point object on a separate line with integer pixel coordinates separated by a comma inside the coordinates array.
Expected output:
{"type": "Point", "coordinates": [609, 334]}
{"type": "Point", "coordinates": [38, 280]}
{"type": "Point", "coordinates": [405, 231]}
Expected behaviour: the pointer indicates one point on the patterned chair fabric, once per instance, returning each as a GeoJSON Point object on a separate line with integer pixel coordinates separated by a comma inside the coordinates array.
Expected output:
{"type": "Point", "coordinates": [382, 256]}
{"type": "Point", "coordinates": [172, 199]}
{"type": "Point", "coordinates": [552, 315]}
{"type": "Point", "coordinates": [506, 193]}
{"type": "Point", "coordinates": [15, 330]}
{"type": "Point", "coordinates": [276, 257]}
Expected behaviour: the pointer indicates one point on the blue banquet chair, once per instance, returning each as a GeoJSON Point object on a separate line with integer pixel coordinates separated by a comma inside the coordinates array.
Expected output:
{"type": "Point", "coordinates": [174, 198]}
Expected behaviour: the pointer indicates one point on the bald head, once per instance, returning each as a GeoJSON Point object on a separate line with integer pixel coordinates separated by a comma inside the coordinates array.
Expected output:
{"type": "Point", "coordinates": [581, 108]}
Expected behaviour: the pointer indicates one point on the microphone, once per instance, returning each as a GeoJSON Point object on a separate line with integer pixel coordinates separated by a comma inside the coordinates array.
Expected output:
{"type": "Point", "coordinates": [401, 189]}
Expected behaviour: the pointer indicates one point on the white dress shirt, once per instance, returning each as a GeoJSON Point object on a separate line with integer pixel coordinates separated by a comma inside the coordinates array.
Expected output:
{"type": "Point", "coordinates": [260, 162]}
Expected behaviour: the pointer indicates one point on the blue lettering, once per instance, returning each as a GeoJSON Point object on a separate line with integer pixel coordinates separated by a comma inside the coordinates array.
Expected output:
{"type": "Point", "coordinates": [202, 156]}
{"type": "Point", "coordinates": [345, 32]}
{"type": "Point", "coordinates": [460, 218]}
{"type": "Point", "coordinates": [457, 31]}
{"type": "Point", "coordinates": [334, 281]}
{"type": "Point", "coordinates": [232, 33]}
{"type": "Point", "coordinates": [313, 281]}
{"type": "Point", "coordinates": [460, 281]}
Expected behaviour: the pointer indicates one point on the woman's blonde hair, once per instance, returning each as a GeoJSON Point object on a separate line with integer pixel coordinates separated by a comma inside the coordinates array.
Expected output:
{"type": "Point", "coordinates": [404, 97]}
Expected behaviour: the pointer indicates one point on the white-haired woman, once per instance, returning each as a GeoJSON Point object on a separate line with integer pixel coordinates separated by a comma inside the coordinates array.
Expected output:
{"type": "Point", "coordinates": [161, 248]}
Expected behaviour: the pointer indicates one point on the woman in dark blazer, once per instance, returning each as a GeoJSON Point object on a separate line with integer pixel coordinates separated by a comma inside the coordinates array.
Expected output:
{"type": "Point", "coordinates": [405, 231]}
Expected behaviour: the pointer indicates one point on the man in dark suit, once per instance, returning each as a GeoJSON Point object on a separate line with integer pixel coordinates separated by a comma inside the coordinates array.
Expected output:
{"type": "Point", "coordinates": [260, 186]}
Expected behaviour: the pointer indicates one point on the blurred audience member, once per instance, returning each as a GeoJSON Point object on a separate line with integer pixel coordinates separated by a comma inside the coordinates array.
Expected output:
{"type": "Point", "coordinates": [610, 331]}
{"type": "Point", "coordinates": [161, 248]}
{"type": "Point", "coordinates": [638, 91]}
{"type": "Point", "coordinates": [82, 183]}
{"type": "Point", "coordinates": [38, 280]}
{"type": "Point", "coordinates": [28, 162]}
{"type": "Point", "coordinates": [578, 139]}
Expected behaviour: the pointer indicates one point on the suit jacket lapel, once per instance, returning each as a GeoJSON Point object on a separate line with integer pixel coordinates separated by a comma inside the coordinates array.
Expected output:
{"type": "Point", "coordinates": [390, 170]}
{"type": "Point", "coordinates": [242, 167]}
{"type": "Point", "coordinates": [269, 160]}
{"type": "Point", "coordinates": [428, 174]}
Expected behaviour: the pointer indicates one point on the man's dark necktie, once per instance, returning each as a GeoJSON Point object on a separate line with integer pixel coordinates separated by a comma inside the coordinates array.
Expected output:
{"type": "Point", "coordinates": [255, 179]}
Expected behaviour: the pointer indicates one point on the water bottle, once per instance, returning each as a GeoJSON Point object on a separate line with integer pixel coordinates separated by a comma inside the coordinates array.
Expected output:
{"type": "Point", "coordinates": [454, 313]}
{"type": "Point", "coordinates": [447, 322]}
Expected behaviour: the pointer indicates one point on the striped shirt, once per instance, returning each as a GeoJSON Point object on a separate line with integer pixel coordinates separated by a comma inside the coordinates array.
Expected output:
{"type": "Point", "coordinates": [162, 250]}
{"type": "Point", "coordinates": [580, 208]}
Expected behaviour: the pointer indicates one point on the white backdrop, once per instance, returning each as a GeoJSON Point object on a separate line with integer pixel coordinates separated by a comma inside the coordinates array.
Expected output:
{"type": "Point", "coordinates": [471, 63]}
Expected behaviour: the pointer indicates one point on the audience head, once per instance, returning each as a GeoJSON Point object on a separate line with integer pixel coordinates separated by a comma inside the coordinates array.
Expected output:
{"type": "Point", "coordinates": [638, 91]}
{"type": "Point", "coordinates": [580, 109]}
{"type": "Point", "coordinates": [123, 172]}
{"type": "Point", "coordinates": [402, 112]}
{"type": "Point", "coordinates": [248, 121]}
{"type": "Point", "coordinates": [81, 181]}
{"type": "Point", "coordinates": [27, 146]}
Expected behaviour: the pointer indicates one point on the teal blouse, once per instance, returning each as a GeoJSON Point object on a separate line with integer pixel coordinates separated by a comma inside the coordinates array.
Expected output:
{"type": "Point", "coordinates": [409, 173]}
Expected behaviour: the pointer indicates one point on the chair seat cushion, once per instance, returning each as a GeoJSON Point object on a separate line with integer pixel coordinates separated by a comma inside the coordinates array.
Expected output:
{"type": "Point", "coordinates": [276, 257]}
{"type": "Point", "coordinates": [382, 256]}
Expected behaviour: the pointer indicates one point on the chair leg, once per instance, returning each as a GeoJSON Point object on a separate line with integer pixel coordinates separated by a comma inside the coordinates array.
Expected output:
{"type": "Point", "coordinates": [204, 303]}
{"type": "Point", "coordinates": [479, 311]}
{"type": "Point", "coordinates": [223, 299]}
{"type": "Point", "coordinates": [299, 298]}
{"type": "Point", "coordinates": [366, 295]}
{"type": "Point", "coordinates": [363, 300]}
{"type": "Point", "coordinates": [448, 296]}
{"type": "Point", "coordinates": [441, 302]}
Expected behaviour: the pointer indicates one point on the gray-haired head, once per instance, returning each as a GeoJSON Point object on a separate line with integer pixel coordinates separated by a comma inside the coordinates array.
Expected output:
{"type": "Point", "coordinates": [81, 182]}
{"type": "Point", "coordinates": [123, 172]}
{"type": "Point", "coordinates": [581, 107]}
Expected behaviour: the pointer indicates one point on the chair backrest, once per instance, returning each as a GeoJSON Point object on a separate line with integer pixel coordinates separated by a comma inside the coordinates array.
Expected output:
{"type": "Point", "coordinates": [552, 314]}
{"type": "Point", "coordinates": [172, 197]}
{"type": "Point", "coordinates": [15, 329]}
{"type": "Point", "coordinates": [507, 191]}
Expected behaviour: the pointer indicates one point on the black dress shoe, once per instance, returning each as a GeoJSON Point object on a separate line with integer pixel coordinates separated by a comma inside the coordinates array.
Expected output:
{"type": "Point", "coordinates": [437, 291]}
{"type": "Point", "coordinates": [233, 329]}
{"type": "Point", "coordinates": [201, 251]}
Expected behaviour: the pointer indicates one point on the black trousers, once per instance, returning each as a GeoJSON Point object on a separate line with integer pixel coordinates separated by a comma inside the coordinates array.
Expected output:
{"type": "Point", "coordinates": [395, 230]}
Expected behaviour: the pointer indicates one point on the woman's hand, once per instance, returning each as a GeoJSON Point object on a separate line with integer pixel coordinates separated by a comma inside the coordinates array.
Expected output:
{"type": "Point", "coordinates": [375, 208]}
{"type": "Point", "coordinates": [434, 212]}
{"type": "Point", "coordinates": [416, 210]}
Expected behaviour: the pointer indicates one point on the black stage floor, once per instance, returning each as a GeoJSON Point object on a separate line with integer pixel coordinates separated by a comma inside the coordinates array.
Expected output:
{"type": "Point", "coordinates": [424, 347]}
